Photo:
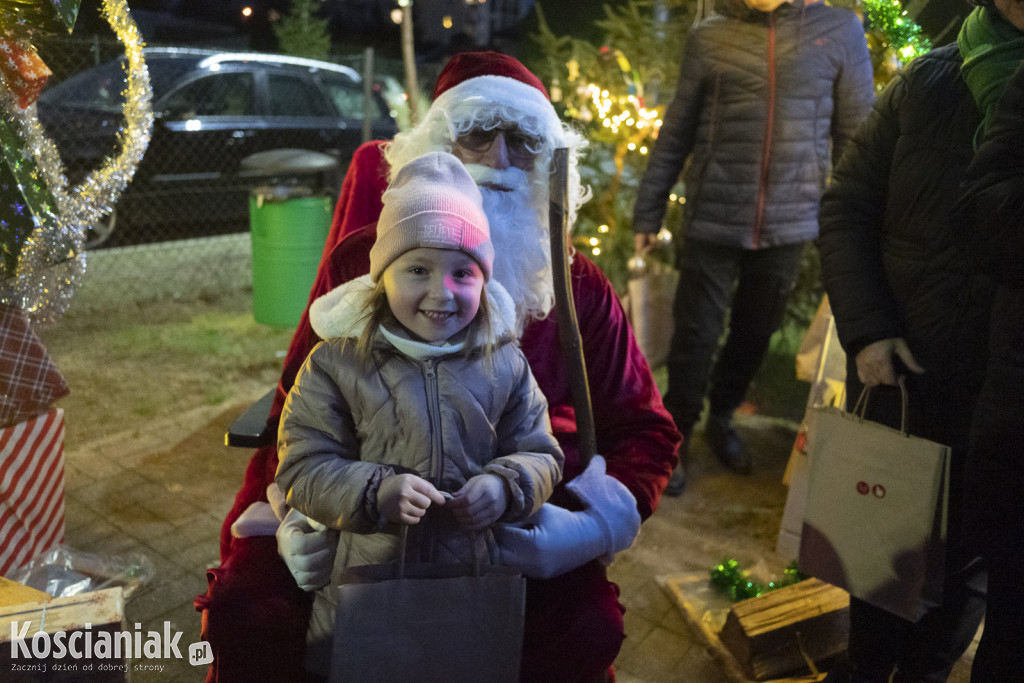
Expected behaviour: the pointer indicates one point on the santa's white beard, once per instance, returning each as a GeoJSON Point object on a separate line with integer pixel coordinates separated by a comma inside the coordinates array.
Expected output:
{"type": "Point", "coordinates": [522, 249]}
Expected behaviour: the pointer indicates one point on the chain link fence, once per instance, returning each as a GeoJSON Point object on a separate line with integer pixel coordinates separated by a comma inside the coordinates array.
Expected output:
{"type": "Point", "coordinates": [181, 227]}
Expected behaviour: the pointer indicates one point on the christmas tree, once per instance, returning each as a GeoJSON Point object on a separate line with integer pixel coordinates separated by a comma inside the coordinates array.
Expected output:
{"type": "Point", "coordinates": [301, 33]}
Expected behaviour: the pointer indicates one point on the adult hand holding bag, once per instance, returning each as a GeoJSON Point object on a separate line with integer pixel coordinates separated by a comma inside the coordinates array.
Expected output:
{"type": "Point", "coordinates": [875, 519]}
{"type": "Point", "coordinates": [428, 622]}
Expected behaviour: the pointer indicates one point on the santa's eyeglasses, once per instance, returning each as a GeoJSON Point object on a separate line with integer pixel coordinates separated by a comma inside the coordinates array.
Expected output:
{"type": "Point", "coordinates": [521, 146]}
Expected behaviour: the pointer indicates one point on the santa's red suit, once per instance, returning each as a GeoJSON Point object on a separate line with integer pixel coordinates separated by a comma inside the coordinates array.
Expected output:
{"type": "Point", "coordinates": [255, 616]}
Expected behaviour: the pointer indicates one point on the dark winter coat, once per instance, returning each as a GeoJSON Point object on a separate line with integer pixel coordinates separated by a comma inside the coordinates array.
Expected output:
{"type": "Point", "coordinates": [889, 260]}
{"type": "Point", "coordinates": [992, 211]}
{"type": "Point", "coordinates": [762, 102]}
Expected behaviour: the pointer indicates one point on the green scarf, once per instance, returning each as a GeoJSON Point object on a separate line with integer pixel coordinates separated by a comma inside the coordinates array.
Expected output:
{"type": "Point", "coordinates": [992, 49]}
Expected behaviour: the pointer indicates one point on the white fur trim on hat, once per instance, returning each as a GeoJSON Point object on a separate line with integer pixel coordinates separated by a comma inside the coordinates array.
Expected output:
{"type": "Point", "coordinates": [482, 92]}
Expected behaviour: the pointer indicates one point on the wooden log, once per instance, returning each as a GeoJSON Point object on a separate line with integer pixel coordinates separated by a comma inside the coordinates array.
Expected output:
{"type": "Point", "coordinates": [789, 630]}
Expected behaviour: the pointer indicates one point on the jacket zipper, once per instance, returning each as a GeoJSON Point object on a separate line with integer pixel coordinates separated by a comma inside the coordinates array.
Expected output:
{"type": "Point", "coordinates": [434, 412]}
{"type": "Point", "coordinates": [762, 188]}
{"type": "Point", "coordinates": [436, 458]}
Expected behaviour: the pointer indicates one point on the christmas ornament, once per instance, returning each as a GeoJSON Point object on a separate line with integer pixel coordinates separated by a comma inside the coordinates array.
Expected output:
{"type": "Point", "coordinates": [729, 578]}
{"type": "Point", "coordinates": [663, 239]}
{"type": "Point", "coordinates": [636, 265]}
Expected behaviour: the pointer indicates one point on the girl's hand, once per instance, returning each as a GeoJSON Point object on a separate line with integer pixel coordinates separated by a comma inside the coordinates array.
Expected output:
{"type": "Point", "coordinates": [480, 502]}
{"type": "Point", "coordinates": [404, 498]}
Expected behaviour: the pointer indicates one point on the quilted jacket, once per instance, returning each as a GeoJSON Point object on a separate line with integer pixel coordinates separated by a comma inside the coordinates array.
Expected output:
{"type": "Point", "coordinates": [890, 261]}
{"type": "Point", "coordinates": [763, 102]}
{"type": "Point", "coordinates": [993, 217]}
{"type": "Point", "coordinates": [447, 418]}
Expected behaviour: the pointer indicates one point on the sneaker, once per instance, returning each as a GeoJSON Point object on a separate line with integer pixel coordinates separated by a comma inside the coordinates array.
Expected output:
{"type": "Point", "coordinates": [726, 445]}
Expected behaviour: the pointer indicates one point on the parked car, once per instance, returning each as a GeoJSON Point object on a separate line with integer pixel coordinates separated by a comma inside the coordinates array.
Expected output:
{"type": "Point", "coordinates": [211, 110]}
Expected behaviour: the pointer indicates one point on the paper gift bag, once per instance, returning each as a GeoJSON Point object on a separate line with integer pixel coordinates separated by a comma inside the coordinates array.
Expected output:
{"type": "Point", "coordinates": [875, 516]}
{"type": "Point", "coordinates": [828, 388]}
{"type": "Point", "coordinates": [31, 488]}
{"type": "Point", "coordinates": [434, 623]}
{"type": "Point", "coordinates": [649, 307]}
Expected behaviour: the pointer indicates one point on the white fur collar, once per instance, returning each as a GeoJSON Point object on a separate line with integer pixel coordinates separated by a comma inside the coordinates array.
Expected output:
{"type": "Point", "coordinates": [339, 313]}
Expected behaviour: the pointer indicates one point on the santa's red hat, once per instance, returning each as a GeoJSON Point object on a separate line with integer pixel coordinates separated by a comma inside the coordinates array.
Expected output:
{"type": "Point", "coordinates": [466, 65]}
{"type": "Point", "coordinates": [473, 81]}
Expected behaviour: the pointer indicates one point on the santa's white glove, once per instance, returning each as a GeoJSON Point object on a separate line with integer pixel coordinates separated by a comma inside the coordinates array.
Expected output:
{"type": "Point", "coordinates": [308, 549]}
{"type": "Point", "coordinates": [555, 540]}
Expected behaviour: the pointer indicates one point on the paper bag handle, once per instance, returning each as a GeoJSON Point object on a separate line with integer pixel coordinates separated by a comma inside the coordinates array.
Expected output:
{"type": "Point", "coordinates": [861, 407]}
{"type": "Point", "coordinates": [400, 569]}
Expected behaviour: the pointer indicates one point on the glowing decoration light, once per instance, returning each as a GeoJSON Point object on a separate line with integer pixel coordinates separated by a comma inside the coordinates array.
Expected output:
{"type": "Point", "coordinates": [900, 32]}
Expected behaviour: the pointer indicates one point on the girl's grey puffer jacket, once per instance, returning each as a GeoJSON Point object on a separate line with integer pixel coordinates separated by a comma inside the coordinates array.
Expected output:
{"type": "Point", "coordinates": [345, 428]}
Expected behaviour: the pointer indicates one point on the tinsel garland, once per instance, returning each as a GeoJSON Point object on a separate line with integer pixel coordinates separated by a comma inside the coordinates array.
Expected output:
{"type": "Point", "coordinates": [729, 578]}
{"type": "Point", "coordinates": [53, 259]}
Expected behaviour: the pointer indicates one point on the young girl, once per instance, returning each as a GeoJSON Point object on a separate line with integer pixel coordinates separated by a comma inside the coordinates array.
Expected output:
{"type": "Point", "coordinates": [419, 409]}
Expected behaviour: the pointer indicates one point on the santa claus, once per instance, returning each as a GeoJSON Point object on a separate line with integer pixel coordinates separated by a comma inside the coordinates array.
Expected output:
{"type": "Point", "coordinates": [495, 116]}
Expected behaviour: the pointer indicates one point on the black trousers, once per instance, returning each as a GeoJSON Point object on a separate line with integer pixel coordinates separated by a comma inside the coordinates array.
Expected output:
{"type": "Point", "coordinates": [756, 284]}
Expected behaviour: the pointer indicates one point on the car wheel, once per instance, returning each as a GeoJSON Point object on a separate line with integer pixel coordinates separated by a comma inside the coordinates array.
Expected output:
{"type": "Point", "coordinates": [100, 231]}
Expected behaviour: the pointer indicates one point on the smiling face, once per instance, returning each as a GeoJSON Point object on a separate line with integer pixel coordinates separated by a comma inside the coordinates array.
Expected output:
{"type": "Point", "coordinates": [434, 293]}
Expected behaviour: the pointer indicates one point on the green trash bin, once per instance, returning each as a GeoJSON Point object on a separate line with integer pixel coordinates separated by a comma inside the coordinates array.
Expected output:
{"type": "Point", "coordinates": [289, 225]}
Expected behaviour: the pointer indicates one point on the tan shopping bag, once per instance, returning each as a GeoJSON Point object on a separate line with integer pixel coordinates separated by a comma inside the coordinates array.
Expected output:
{"type": "Point", "coordinates": [649, 307]}
{"type": "Point", "coordinates": [875, 517]}
{"type": "Point", "coordinates": [433, 623]}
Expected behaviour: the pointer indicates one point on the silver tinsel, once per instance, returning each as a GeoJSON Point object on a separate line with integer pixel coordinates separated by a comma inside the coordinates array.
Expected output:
{"type": "Point", "coordinates": [53, 261]}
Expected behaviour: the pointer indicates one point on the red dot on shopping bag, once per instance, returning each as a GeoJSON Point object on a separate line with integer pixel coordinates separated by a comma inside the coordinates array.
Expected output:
{"type": "Point", "coordinates": [878, 490]}
{"type": "Point", "coordinates": [863, 488]}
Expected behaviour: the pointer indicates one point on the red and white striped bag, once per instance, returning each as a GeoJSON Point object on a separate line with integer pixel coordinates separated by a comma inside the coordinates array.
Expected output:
{"type": "Point", "coordinates": [31, 488]}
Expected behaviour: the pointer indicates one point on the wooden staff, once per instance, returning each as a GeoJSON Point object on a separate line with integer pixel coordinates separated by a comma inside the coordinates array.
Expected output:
{"type": "Point", "coordinates": [565, 310]}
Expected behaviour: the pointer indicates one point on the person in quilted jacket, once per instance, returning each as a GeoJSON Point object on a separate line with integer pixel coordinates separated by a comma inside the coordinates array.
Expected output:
{"type": "Point", "coordinates": [769, 91]}
{"type": "Point", "coordinates": [992, 213]}
{"type": "Point", "coordinates": [908, 303]}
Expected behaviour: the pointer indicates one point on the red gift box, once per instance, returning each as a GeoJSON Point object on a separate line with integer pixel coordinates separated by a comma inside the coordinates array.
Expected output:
{"type": "Point", "coordinates": [31, 488]}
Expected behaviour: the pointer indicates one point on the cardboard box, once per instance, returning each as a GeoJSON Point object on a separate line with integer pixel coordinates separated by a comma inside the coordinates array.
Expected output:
{"type": "Point", "coordinates": [78, 638]}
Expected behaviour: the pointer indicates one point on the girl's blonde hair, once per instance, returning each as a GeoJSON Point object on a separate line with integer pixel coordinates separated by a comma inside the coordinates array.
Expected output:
{"type": "Point", "coordinates": [480, 336]}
